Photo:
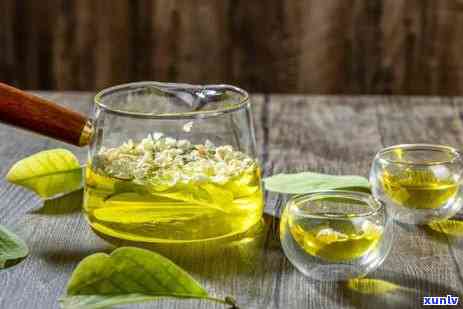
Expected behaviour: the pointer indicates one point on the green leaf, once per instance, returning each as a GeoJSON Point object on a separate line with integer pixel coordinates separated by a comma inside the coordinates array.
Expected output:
{"type": "Point", "coordinates": [128, 275]}
{"type": "Point", "coordinates": [11, 247]}
{"type": "Point", "coordinates": [372, 286]}
{"type": "Point", "coordinates": [308, 182]}
{"type": "Point", "coordinates": [48, 173]}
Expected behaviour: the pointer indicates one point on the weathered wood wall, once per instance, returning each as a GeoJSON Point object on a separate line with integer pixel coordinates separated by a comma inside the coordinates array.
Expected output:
{"type": "Point", "coordinates": [309, 46]}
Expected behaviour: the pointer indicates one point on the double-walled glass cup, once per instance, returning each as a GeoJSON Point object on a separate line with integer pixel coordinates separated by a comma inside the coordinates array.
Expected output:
{"type": "Point", "coordinates": [172, 163]}
{"type": "Point", "coordinates": [419, 183]}
{"type": "Point", "coordinates": [335, 235]}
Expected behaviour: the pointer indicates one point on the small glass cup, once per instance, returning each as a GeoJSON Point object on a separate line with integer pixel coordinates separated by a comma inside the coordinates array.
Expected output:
{"type": "Point", "coordinates": [419, 183]}
{"type": "Point", "coordinates": [335, 235]}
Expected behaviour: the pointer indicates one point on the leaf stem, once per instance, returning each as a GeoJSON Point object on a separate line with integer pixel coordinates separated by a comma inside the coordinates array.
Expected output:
{"type": "Point", "coordinates": [226, 301]}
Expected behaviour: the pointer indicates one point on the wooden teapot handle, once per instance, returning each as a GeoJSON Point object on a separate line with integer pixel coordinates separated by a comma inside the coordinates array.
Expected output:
{"type": "Point", "coordinates": [26, 111]}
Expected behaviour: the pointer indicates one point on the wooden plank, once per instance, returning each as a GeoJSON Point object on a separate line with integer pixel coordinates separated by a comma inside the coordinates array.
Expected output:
{"type": "Point", "coordinates": [112, 34]}
{"type": "Point", "coordinates": [74, 45]}
{"type": "Point", "coordinates": [190, 41]}
{"type": "Point", "coordinates": [92, 48]}
{"type": "Point", "coordinates": [26, 46]}
{"type": "Point", "coordinates": [7, 48]}
{"type": "Point", "coordinates": [420, 43]}
{"type": "Point", "coordinates": [323, 47]}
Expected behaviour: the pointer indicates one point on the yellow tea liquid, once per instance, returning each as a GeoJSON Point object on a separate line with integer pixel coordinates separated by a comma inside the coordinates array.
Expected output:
{"type": "Point", "coordinates": [188, 212]}
{"type": "Point", "coordinates": [418, 189]}
{"type": "Point", "coordinates": [166, 190]}
{"type": "Point", "coordinates": [336, 240]}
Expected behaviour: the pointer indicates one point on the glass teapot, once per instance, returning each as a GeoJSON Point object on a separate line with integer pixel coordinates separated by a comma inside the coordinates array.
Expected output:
{"type": "Point", "coordinates": [167, 162]}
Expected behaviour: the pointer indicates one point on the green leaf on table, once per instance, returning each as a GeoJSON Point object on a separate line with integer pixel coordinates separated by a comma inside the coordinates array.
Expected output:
{"type": "Point", "coordinates": [48, 173]}
{"type": "Point", "coordinates": [308, 182]}
{"type": "Point", "coordinates": [11, 247]}
{"type": "Point", "coordinates": [128, 275]}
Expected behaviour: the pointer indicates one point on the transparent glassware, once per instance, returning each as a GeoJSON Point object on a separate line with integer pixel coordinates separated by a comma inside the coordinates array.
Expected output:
{"type": "Point", "coordinates": [172, 163]}
{"type": "Point", "coordinates": [419, 183]}
{"type": "Point", "coordinates": [335, 235]}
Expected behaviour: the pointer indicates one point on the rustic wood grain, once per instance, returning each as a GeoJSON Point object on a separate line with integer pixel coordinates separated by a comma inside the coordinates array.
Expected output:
{"type": "Point", "coordinates": [326, 134]}
{"type": "Point", "coordinates": [26, 51]}
{"type": "Point", "coordinates": [302, 46]}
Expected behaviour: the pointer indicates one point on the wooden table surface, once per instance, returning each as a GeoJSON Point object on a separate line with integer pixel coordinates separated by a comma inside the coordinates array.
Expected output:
{"type": "Point", "coordinates": [330, 134]}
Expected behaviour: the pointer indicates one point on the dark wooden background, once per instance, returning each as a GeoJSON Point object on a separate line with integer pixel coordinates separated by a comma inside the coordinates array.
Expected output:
{"type": "Point", "coordinates": [299, 46]}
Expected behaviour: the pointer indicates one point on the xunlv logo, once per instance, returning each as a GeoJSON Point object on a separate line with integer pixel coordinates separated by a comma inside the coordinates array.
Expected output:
{"type": "Point", "coordinates": [440, 301]}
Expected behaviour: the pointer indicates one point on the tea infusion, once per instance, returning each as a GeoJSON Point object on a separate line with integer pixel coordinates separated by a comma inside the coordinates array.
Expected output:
{"type": "Point", "coordinates": [336, 240]}
{"type": "Point", "coordinates": [167, 190]}
{"type": "Point", "coordinates": [418, 189]}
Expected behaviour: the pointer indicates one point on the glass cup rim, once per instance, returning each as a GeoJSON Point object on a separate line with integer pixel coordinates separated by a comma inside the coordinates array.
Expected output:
{"type": "Point", "coordinates": [456, 156]}
{"type": "Point", "coordinates": [99, 100]}
{"type": "Point", "coordinates": [374, 204]}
